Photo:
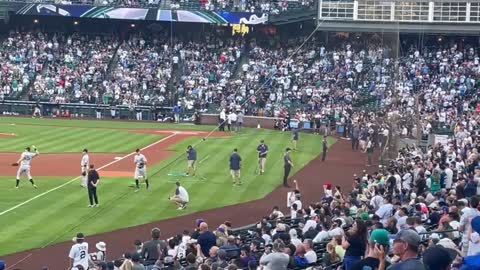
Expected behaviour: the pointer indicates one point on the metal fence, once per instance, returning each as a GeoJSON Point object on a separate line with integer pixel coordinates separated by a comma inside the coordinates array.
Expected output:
{"type": "Point", "coordinates": [78, 110]}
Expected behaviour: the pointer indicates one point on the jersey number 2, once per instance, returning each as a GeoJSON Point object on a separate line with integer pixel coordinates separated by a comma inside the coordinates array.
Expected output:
{"type": "Point", "coordinates": [83, 254]}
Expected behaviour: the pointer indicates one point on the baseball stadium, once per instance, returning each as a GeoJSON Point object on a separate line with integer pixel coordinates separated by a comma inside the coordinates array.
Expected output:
{"type": "Point", "coordinates": [227, 134]}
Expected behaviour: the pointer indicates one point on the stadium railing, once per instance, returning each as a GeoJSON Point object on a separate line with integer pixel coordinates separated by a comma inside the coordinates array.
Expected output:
{"type": "Point", "coordinates": [79, 110]}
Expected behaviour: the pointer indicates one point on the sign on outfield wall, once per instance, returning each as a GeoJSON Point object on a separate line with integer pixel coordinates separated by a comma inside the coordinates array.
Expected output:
{"type": "Point", "coordinates": [152, 14]}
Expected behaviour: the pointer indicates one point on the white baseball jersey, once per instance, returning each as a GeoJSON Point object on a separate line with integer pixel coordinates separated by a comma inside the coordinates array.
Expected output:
{"type": "Point", "coordinates": [27, 158]}
{"type": "Point", "coordinates": [140, 161]}
{"type": "Point", "coordinates": [85, 161]}
{"type": "Point", "coordinates": [183, 194]}
{"type": "Point", "coordinates": [79, 254]}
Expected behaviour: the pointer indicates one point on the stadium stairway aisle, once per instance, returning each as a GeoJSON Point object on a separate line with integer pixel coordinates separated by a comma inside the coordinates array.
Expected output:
{"type": "Point", "coordinates": [338, 169]}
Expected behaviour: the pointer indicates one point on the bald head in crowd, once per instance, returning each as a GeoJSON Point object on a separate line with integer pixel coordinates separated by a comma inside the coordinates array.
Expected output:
{"type": "Point", "coordinates": [203, 226]}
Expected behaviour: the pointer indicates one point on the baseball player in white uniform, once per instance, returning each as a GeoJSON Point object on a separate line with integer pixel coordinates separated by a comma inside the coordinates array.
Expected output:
{"type": "Point", "coordinates": [79, 252]}
{"type": "Point", "coordinates": [140, 168]}
{"type": "Point", "coordinates": [25, 163]}
{"type": "Point", "coordinates": [85, 165]}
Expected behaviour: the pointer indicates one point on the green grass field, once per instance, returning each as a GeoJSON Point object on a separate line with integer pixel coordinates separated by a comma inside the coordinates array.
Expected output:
{"type": "Point", "coordinates": [53, 217]}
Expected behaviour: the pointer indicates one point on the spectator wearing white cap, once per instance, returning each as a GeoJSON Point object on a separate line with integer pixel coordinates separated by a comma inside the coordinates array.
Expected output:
{"type": "Point", "coordinates": [294, 238]}
{"type": "Point", "coordinates": [101, 254]}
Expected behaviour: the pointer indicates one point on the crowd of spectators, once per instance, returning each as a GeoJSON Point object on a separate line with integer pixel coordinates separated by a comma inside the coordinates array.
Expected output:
{"type": "Point", "coordinates": [75, 67]}
{"type": "Point", "coordinates": [207, 71]}
{"type": "Point", "coordinates": [142, 73]}
{"type": "Point", "coordinates": [22, 57]}
{"type": "Point", "coordinates": [317, 80]}
{"type": "Point", "coordinates": [263, 77]}
{"type": "Point", "coordinates": [251, 6]}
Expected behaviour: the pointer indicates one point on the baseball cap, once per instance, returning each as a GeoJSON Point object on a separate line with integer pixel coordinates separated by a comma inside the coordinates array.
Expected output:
{"type": "Point", "coordinates": [101, 246]}
{"type": "Point", "coordinates": [80, 236]}
{"type": "Point", "coordinates": [408, 236]}
{"type": "Point", "coordinates": [465, 201]}
{"type": "Point", "coordinates": [2, 265]}
{"type": "Point", "coordinates": [438, 257]}
{"type": "Point", "coordinates": [380, 236]}
{"type": "Point", "coordinates": [364, 216]}
{"type": "Point", "coordinates": [434, 236]}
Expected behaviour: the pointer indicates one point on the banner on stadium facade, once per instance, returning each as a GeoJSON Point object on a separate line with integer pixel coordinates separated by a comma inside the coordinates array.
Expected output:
{"type": "Point", "coordinates": [152, 14]}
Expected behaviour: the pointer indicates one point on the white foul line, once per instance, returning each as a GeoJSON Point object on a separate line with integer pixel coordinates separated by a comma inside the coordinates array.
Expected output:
{"type": "Point", "coordinates": [78, 177]}
{"type": "Point", "coordinates": [205, 158]}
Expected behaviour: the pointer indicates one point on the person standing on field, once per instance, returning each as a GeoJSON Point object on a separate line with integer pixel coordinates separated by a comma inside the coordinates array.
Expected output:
{"type": "Point", "coordinates": [232, 121]}
{"type": "Point", "coordinates": [239, 121]}
{"type": "Point", "coordinates": [324, 148]}
{"type": "Point", "coordinates": [191, 160]}
{"type": "Point", "coordinates": [288, 165]}
{"type": "Point", "coordinates": [295, 138]}
{"type": "Point", "coordinates": [140, 169]}
{"type": "Point", "coordinates": [262, 150]}
{"type": "Point", "coordinates": [84, 165]}
{"type": "Point", "coordinates": [93, 181]}
{"type": "Point", "coordinates": [98, 112]}
{"type": "Point", "coordinates": [235, 164]}
{"type": "Point", "coordinates": [25, 163]}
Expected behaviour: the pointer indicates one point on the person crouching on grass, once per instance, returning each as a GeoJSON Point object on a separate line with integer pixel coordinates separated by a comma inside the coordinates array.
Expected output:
{"type": "Point", "coordinates": [181, 197]}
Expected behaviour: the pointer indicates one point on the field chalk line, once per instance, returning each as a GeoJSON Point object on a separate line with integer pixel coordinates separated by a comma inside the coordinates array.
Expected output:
{"type": "Point", "coordinates": [203, 159]}
{"type": "Point", "coordinates": [78, 177]}
{"type": "Point", "coordinates": [20, 261]}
